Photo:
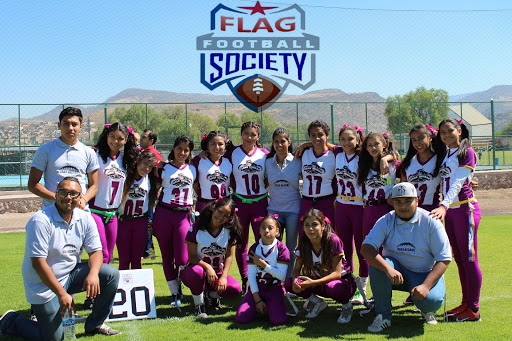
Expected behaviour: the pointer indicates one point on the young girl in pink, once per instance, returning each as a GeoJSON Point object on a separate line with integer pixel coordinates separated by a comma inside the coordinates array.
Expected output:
{"type": "Point", "coordinates": [320, 268]}
{"type": "Point", "coordinates": [138, 198]}
{"type": "Point", "coordinates": [268, 262]}
{"type": "Point", "coordinates": [210, 244]}
{"type": "Point", "coordinates": [250, 193]}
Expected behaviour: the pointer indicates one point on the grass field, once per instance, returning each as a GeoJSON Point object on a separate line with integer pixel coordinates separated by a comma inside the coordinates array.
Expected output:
{"type": "Point", "coordinates": [495, 243]}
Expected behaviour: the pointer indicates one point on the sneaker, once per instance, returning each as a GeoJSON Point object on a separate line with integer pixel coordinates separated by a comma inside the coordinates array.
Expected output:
{"type": "Point", "coordinates": [88, 303]}
{"type": "Point", "coordinates": [456, 310]}
{"type": "Point", "coordinates": [5, 322]}
{"type": "Point", "coordinates": [200, 311]}
{"type": "Point", "coordinates": [104, 330]}
{"type": "Point", "coordinates": [291, 294]}
{"type": "Point", "coordinates": [316, 310]}
{"type": "Point", "coordinates": [408, 301]}
{"type": "Point", "coordinates": [346, 314]}
{"type": "Point", "coordinates": [33, 317]}
{"type": "Point", "coordinates": [212, 302]}
{"type": "Point", "coordinates": [467, 315]}
{"type": "Point", "coordinates": [357, 298]}
{"type": "Point", "coordinates": [176, 300]}
{"type": "Point", "coordinates": [244, 287]}
{"type": "Point", "coordinates": [430, 318]}
{"type": "Point", "coordinates": [379, 324]}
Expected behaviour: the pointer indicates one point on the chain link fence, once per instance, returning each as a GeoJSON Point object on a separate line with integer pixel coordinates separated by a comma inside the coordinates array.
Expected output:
{"type": "Point", "coordinates": [31, 125]}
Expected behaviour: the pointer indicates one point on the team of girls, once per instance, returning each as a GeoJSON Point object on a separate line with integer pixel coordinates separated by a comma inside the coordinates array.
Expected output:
{"type": "Point", "coordinates": [355, 177]}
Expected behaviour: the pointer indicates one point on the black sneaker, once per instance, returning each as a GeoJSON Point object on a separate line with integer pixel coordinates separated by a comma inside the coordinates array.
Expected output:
{"type": "Point", "coordinates": [244, 286]}
{"type": "Point", "coordinates": [200, 311]}
{"type": "Point", "coordinates": [176, 300]}
{"type": "Point", "coordinates": [212, 302]}
{"type": "Point", "coordinates": [88, 303]}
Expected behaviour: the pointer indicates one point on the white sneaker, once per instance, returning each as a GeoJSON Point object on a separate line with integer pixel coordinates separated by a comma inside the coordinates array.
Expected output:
{"type": "Point", "coordinates": [317, 309]}
{"type": "Point", "coordinates": [346, 313]}
{"type": "Point", "coordinates": [379, 324]}
{"type": "Point", "coordinates": [430, 318]}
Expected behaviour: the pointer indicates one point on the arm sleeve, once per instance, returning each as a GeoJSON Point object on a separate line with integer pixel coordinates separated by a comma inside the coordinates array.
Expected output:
{"type": "Point", "coordinates": [38, 236]}
{"type": "Point", "coordinates": [278, 272]}
{"type": "Point", "coordinates": [461, 175]}
{"type": "Point", "coordinates": [93, 163]}
{"type": "Point", "coordinates": [251, 275]}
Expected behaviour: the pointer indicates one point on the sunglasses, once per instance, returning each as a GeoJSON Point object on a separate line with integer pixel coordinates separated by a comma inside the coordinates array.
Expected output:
{"type": "Point", "coordinates": [64, 193]}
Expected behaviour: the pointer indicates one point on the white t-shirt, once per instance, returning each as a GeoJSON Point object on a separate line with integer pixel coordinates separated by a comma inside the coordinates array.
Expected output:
{"type": "Point", "coordinates": [57, 160]}
{"type": "Point", "coordinates": [346, 174]}
{"type": "Point", "coordinates": [210, 248]}
{"type": "Point", "coordinates": [177, 184]}
{"type": "Point", "coordinates": [138, 199]}
{"type": "Point", "coordinates": [420, 174]}
{"type": "Point", "coordinates": [213, 178]}
{"type": "Point", "coordinates": [248, 171]}
{"type": "Point", "coordinates": [51, 237]}
{"type": "Point", "coordinates": [378, 187]}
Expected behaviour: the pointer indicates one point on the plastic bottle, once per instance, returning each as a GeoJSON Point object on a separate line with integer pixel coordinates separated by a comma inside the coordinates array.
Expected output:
{"type": "Point", "coordinates": [68, 324]}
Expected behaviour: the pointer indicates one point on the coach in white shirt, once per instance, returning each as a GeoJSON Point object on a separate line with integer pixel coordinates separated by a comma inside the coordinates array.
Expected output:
{"type": "Point", "coordinates": [415, 254]}
{"type": "Point", "coordinates": [52, 272]}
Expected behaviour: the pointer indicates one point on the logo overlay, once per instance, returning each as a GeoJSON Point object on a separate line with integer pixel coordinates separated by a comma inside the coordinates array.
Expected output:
{"type": "Point", "coordinates": [257, 51]}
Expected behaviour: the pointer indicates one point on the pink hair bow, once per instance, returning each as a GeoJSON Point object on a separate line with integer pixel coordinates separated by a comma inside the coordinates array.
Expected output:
{"type": "Point", "coordinates": [204, 137]}
{"type": "Point", "coordinates": [431, 129]}
{"type": "Point", "coordinates": [275, 216]}
{"type": "Point", "coordinates": [130, 130]}
{"type": "Point", "coordinates": [227, 138]}
{"type": "Point", "coordinates": [460, 121]}
{"type": "Point", "coordinates": [327, 220]}
{"type": "Point", "coordinates": [107, 125]}
{"type": "Point", "coordinates": [386, 134]}
{"type": "Point", "coordinates": [343, 127]}
{"type": "Point", "coordinates": [359, 129]}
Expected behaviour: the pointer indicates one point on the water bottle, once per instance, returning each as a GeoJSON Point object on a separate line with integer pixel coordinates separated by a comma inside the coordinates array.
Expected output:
{"type": "Point", "coordinates": [68, 324]}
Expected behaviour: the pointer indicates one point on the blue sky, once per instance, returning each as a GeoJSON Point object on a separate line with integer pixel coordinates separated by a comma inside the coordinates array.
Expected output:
{"type": "Point", "coordinates": [87, 51]}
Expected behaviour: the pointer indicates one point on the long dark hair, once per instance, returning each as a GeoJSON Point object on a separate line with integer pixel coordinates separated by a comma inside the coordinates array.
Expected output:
{"type": "Point", "coordinates": [464, 137]}
{"type": "Point", "coordinates": [214, 133]}
{"type": "Point", "coordinates": [181, 139]}
{"type": "Point", "coordinates": [435, 146]}
{"type": "Point", "coordinates": [306, 248]}
{"type": "Point", "coordinates": [131, 174]}
{"type": "Point", "coordinates": [366, 160]}
{"type": "Point", "coordinates": [130, 151]}
{"type": "Point", "coordinates": [286, 133]}
{"type": "Point", "coordinates": [233, 225]}
{"type": "Point", "coordinates": [254, 125]}
{"type": "Point", "coordinates": [358, 133]}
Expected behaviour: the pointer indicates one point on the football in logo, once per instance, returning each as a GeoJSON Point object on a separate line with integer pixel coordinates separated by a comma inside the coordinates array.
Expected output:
{"type": "Point", "coordinates": [257, 90]}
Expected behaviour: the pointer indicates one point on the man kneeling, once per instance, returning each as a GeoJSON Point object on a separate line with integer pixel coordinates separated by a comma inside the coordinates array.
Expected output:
{"type": "Point", "coordinates": [52, 271]}
{"type": "Point", "coordinates": [415, 254]}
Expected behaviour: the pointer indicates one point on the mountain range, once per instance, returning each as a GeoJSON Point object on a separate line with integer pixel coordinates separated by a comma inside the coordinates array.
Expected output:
{"type": "Point", "coordinates": [286, 113]}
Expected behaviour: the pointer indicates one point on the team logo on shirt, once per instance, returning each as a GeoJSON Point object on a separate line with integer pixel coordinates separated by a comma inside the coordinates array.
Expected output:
{"type": "Point", "coordinates": [281, 183]}
{"type": "Point", "coordinates": [213, 250]}
{"type": "Point", "coordinates": [444, 170]}
{"type": "Point", "coordinates": [250, 167]}
{"type": "Point", "coordinates": [313, 168]}
{"type": "Point", "coordinates": [217, 177]}
{"type": "Point", "coordinates": [375, 181]}
{"type": "Point", "coordinates": [419, 176]}
{"type": "Point", "coordinates": [69, 170]}
{"type": "Point", "coordinates": [181, 181]}
{"type": "Point", "coordinates": [137, 192]}
{"type": "Point", "coordinates": [345, 173]}
{"type": "Point", "coordinates": [406, 247]}
{"type": "Point", "coordinates": [69, 249]}
{"type": "Point", "coordinates": [114, 172]}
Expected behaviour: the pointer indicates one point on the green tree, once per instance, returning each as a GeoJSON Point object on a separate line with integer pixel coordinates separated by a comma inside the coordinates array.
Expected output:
{"type": "Point", "coordinates": [231, 118]}
{"type": "Point", "coordinates": [507, 130]}
{"type": "Point", "coordinates": [267, 127]}
{"type": "Point", "coordinates": [428, 106]}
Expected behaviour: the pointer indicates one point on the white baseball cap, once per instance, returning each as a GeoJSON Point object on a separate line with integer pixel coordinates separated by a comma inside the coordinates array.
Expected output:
{"type": "Point", "coordinates": [404, 189]}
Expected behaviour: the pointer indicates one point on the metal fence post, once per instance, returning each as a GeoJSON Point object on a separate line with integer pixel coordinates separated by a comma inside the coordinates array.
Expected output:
{"type": "Point", "coordinates": [493, 137]}
{"type": "Point", "coordinates": [19, 143]}
{"type": "Point", "coordinates": [366, 114]}
{"type": "Point", "coordinates": [105, 113]}
{"type": "Point", "coordinates": [332, 123]}
{"type": "Point", "coordinates": [225, 118]}
{"type": "Point", "coordinates": [297, 114]}
{"type": "Point", "coordinates": [146, 116]}
{"type": "Point", "coordinates": [400, 125]}
{"type": "Point", "coordinates": [430, 113]}
{"type": "Point", "coordinates": [186, 119]}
